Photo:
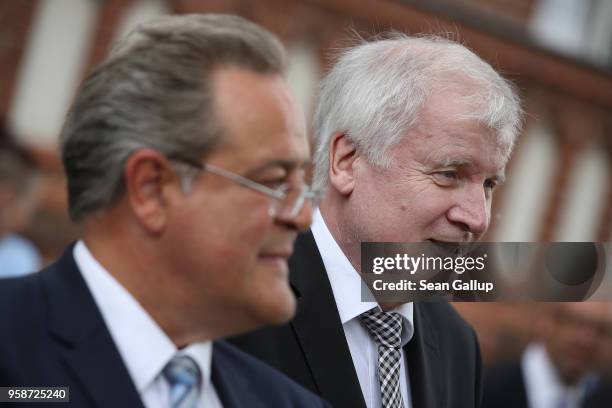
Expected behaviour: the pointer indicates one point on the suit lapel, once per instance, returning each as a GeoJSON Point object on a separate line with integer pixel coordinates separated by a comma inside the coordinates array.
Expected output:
{"type": "Point", "coordinates": [318, 327]}
{"type": "Point", "coordinates": [85, 344]}
{"type": "Point", "coordinates": [231, 386]}
{"type": "Point", "coordinates": [319, 331]}
{"type": "Point", "coordinates": [423, 360]}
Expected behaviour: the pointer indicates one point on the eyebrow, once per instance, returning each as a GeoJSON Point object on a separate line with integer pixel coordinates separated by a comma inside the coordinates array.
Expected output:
{"type": "Point", "coordinates": [446, 162]}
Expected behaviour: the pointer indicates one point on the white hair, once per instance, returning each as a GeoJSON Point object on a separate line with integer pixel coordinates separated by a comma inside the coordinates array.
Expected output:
{"type": "Point", "coordinates": [375, 91]}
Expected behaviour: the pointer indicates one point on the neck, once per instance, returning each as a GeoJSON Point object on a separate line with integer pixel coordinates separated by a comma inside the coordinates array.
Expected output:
{"type": "Point", "coordinates": [389, 306]}
{"type": "Point", "coordinates": [348, 240]}
{"type": "Point", "coordinates": [135, 261]}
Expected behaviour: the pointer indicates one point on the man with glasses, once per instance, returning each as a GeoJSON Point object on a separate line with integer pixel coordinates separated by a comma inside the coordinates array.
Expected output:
{"type": "Point", "coordinates": [184, 153]}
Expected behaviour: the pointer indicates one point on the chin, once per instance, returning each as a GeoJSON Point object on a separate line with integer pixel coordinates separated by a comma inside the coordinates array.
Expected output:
{"type": "Point", "coordinates": [288, 311]}
{"type": "Point", "coordinates": [278, 310]}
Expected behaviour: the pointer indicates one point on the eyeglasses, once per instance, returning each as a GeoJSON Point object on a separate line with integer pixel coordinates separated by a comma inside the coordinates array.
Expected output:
{"type": "Point", "coordinates": [287, 201]}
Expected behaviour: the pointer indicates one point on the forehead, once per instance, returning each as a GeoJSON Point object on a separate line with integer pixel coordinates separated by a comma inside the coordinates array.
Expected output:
{"type": "Point", "coordinates": [447, 133]}
{"type": "Point", "coordinates": [259, 117]}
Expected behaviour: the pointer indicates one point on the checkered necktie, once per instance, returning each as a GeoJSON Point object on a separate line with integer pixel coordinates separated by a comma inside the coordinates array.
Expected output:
{"type": "Point", "coordinates": [183, 376]}
{"type": "Point", "coordinates": [386, 329]}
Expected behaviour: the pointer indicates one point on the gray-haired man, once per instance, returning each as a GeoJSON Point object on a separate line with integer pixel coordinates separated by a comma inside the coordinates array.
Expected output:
{"type": "Point", "coordinates": [184, 153]}
{"type": "Point", "coordinates": [413, 135]}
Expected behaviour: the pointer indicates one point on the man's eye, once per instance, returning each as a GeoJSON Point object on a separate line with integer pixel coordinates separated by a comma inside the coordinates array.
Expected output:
{"type": "Point", "coordinates": [446, 177]}
{"type": "Point", "coordinates": [490, 185]}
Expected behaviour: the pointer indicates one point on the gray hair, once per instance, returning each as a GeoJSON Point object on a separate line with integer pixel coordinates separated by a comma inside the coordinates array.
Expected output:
{"type": "Point", "coordinates": [153, 91]}
{"type": "Point", "coordinates": [375, 91]}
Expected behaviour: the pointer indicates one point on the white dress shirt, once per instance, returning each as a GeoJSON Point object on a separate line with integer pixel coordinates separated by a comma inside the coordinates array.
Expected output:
{"type": "Point", "coordinates": [542, 383]}
{"type": "Point", "coordinates": [346, 286]}
{"type": "Point", "coordinates": [143, 346]}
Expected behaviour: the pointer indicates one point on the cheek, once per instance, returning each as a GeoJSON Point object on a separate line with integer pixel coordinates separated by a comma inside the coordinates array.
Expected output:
{"type": "Point", "coordinates": [422, 209]}
{"type": "Point", "coordinates": [226, 246]}
{"type": "Point", "coordinates": [230, 274]}
{"type": "Point", "coordinates": [240, 245]}
{"type": "Point", "coordinates": [403, 210]}
{"type": "Point", "coordinates": [238, 228]}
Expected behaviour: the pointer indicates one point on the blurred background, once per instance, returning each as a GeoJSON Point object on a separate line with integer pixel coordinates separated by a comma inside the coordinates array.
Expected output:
{"type": "Point", "coordinates": [557, 52]}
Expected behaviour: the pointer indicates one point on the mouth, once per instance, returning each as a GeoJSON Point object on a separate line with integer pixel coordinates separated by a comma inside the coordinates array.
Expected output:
{"type": "Point", "coordinates": [444, 241]}
{"type": "Point", "coordinates": [276, 260]}
{"type": "Point", "coordinates": [449, 247]}
{"type": "Point", "coordinates": [284, 257]}
{"type": "Point", "coordinates": [284, 253]}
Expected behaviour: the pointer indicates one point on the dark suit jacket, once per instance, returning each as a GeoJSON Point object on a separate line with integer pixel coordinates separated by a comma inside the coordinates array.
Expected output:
{"type": "Point", "coordinates": [443, 356]}
{"type": "Point", "coordinates": [504, 387]}
{"type": "Point", "coordinates": [53, 335]}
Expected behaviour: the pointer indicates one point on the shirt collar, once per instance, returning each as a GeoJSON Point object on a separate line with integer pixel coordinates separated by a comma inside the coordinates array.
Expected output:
{"type": "Point", "coordinates": [346, 283]}
{"type": "Point", "coordinates": [142, 344]}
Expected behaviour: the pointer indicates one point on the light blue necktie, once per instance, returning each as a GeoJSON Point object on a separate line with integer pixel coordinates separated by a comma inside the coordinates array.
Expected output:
{"type": "Point", "coordinates": [183, 376]}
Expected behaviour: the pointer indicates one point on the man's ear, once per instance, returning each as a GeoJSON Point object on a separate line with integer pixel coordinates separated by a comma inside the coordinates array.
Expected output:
{"type": "Point", "coordinates": [343, 157]}
{"type": "Point", "coordinates": [146, 174]}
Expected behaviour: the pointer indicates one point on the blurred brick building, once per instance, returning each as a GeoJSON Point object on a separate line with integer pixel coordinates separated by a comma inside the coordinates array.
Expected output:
{"type": "Point", "coordinates": [558, 52]}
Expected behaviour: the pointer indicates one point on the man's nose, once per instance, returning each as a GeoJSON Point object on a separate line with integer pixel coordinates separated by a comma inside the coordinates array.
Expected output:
{"type": "Point", "coordinates": [471, 210]}
{"type": "Point", "coordinates": [302, 220]}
